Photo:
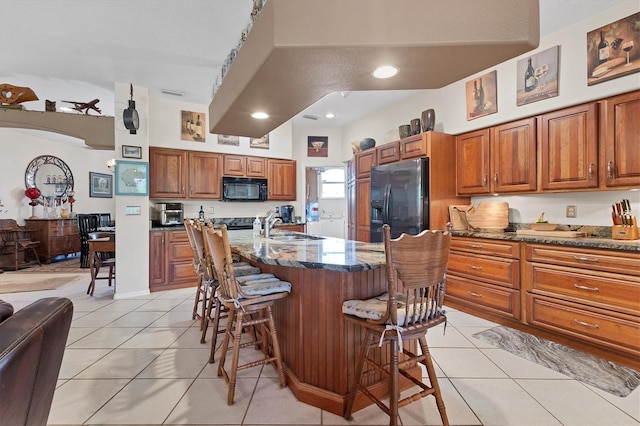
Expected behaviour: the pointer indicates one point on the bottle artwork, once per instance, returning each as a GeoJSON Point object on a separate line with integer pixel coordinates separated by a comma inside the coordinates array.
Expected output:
{"type": "Point", "coordinates": [478, 98]}
{"type": "Point", "coordinates": [603, 50]}
{"type": "Point", "coordinates": [529, 78]}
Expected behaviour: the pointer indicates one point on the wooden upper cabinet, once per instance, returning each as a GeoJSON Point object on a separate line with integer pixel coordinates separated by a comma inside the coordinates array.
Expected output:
{"type": "Point", "coordinates": [363, 208]}
{"type": "Point", "coordinates": [364, 161]}
{"type": "Point", "coordinates": [414, 146]}
{"type": "Point", "coordinates": [281, 179]}
{"type": "Point", "coordinates": [244, 166]}
{"type": "Point", "coordinates": [388, 153]}
{"type": "Point", "coordinates": [513, 156]}
{"type": "Point", "coordinates": [167, 173]}
{"type": "Point", "coordinates": [472, 163]}
{"type": "Point", "coordinates": [621, 145]}
{"type": "Point", "coordinates": [569, 148]}
{"type": "Point", "coordinates": [204, 175]}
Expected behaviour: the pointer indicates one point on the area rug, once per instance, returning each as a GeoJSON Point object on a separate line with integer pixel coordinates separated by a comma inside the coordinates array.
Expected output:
{"type": "Point", "coordinates": [602, 374]}
{"type": "Point", "coordinates": [71, 265]}
{"type": "Point", "coordinates": [16, 283]}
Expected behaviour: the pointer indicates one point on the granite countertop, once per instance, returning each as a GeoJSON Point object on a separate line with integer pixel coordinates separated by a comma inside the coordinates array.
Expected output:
{"type": "Point", "coordinates": [332, 254]}
{"type": "Point", "coordinates": [595, 242]}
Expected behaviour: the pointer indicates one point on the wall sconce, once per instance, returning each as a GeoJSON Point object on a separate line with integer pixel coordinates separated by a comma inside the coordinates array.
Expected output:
{"type": "Point", "coordinates": [111, 164]}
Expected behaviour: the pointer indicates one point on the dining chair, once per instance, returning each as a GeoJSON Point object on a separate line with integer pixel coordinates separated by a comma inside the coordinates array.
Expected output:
{"type": "Point", "coordinates": [249, 300]}
{"type": "Point", "coordinates": [102, 259]}
{"type": "Point", "coordinates": [87, 223]}
{"type": "Point", "coordinates": [415, 272]}
{"type": "Point", "coordinates": [16, 239]}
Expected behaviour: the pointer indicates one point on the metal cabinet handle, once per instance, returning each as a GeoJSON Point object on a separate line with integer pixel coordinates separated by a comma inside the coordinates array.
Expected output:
{"type": "Point", "coordinates": [474, 267]}
{"type": "Point", "coordinates": [610, 169]}
{"type": "Point", "coordinates": [586, 259]}
{"type": "Point", "coordinates": [478, 246]}
{"type": "Point", "coordinates": [586, 324]}
{"type": "Point", "coordinates": [591, 171]}
{"type": "Point", "coordinates": [182, 190]}
{"type": "Point", "coordinates": [484, 180]}
{"type": "Point", "coordinates": [582, 287]}
{"type": "Point", "coordinates": [495, 179]}
{"type": "Point", "coordinates": [191, 190]}
{"type": "Point", "coordinates": [471, 293]}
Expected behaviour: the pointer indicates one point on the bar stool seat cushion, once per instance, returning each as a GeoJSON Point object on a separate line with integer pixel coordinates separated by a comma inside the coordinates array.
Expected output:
{"type": "Point", "coordinates": [242, 268]}
{"type": "Point", "coordinates": [376, 308]}
{"type": "Point", "coordinates": [262, 284]}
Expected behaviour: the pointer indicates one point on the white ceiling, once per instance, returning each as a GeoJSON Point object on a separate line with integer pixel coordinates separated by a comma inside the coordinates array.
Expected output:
{"type": "Point", "coordinates": [75, 50]}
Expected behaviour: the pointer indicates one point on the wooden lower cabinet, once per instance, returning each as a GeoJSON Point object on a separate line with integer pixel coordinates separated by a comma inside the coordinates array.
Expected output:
{"type": "Point", "coordinates": [170, 261]}
{"type": "Point", "coordinates": [295, 227]}
{"type": "Point", "coordinates": [363, 207]}
{"type": "Point", "coordinates": [57, 237]}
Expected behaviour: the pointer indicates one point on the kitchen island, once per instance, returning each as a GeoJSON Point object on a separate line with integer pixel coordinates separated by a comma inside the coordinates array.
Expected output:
{"type": "Point", "coordinates": [318, 346]}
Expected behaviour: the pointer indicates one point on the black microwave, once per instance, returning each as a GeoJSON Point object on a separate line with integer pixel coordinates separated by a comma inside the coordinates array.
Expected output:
{"type": "Point", "coordinates": [243, 189]}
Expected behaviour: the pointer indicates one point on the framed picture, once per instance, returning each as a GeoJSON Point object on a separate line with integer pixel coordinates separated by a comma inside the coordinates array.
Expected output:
{"type": "Point", "coordinates": [482, 96]}
{"type": "Point", "coordinates": [613, 50]}
{"type": "Point", "coordinates": [193, 126]}
{"type": "Point", "coordinates": [100, 185]}
{"type": "Point", "coordinates": [262, 142]}
{"type": "Point", "coordinates": [317, 146]}
{"type": "Point", "coordinates": [538, 76]}
{"type": "Point", "coordinates": [129, 151]}
{"type": "Point", "coordinates": [228, 140]}
{"type": "Point", "coordinates": [132, 178]}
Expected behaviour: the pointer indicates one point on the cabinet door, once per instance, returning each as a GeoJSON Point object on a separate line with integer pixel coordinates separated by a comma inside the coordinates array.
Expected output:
{"type": "Point", "coordinates": [167, 173]}
{"type": "Point", "coordinates": [414, 146]}
{"type": "Point", "coordinates": [351, 209]}
{"type": "Point", "coordinates": [233, 165]}
{"type": "Point", "coordinates": [204, 175]}
{"type": "Point", "coordinates": [157, 259]}
{"type": "Point", "coordinates": [622, 140]}
{"type": "Point", "coordinates": [256, 167]}
{"type": "Point", "coordinates": [513, 156]}
{"type": "Point", "coordinates": [569, 148]}
{"type": "Point", "coordinates": [472, 163]}
{"type": "Point", "coordinates": [388, 153]}
{"type": "Point", "coordinates": [363, 209]}
{"type": "Point", "coordinates": [364, 162]}
{"type": "Point", "coordinates": [281, 179]}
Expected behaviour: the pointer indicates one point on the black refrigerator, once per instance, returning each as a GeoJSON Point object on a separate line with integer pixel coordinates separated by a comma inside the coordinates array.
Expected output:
{"type": "Point", "coordinates": [400, 198]}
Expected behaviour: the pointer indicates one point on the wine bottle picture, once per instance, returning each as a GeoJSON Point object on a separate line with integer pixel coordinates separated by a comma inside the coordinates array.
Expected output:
{"type": "Point", "coordinates": [481, 100]}
{"type": "Point", "coordinates": [529, 78]}
{"type": "Point", "coordinates": [603, 49]}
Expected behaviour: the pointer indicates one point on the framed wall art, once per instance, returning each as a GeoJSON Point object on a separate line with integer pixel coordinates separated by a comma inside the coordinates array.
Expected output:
{"type": "Point", "coordinates": [193, 126]}
{"type": "Point", "coordinates": [613, 50]}
{"type": "Point", "coordinates": [100, 185]}
{"type": "Point", "coordinates": [482, 96]}
{"type": "Point", "coordinates": [132, 178]}
{"type": "Point", "coordinates": [538, 76]}
{"type": "Point", "coordinates": [129, 151]}
{"type": "Point", "coordinates": [317, 146]}
{"type": "Point", "coordinates": [228, 140]}
{"type": "Point", "coordinates": [262, 142]}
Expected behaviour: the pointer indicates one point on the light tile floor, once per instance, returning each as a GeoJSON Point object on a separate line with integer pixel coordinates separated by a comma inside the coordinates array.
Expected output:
{"type": "Point", "coordinates": [140, 361]}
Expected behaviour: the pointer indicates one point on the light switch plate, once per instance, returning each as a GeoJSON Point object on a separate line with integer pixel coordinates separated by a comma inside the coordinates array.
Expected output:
{"type": "Point", "coordinates": [132, 210]}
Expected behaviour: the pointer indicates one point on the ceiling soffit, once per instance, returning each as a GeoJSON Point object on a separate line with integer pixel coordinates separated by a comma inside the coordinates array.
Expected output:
{"type": "Point", "coordinates": [298, 51]}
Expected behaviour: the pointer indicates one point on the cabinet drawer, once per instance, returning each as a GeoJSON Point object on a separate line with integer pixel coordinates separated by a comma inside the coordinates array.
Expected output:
{"type": "Point", "coordinates": [488, 247]}
{"type": "Point", "coordinates": [180, 251]}
{"type": "Point", "coordinates": [178, 237]}
{"type": "Point", "coordinates": [598, 260]}
{"type": "Point", "coordinates": [620, 332]}
{"type": "Point", "coordinates": [497, 299]}
{"type": "Point", "coordinates": [504, 272]}
{"type": "Point", "coordinates": [182, 272]}
{"type": "Point", "coordinates": [610, 291]}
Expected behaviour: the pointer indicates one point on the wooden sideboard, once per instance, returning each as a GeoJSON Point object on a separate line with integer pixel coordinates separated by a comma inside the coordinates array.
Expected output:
{"type": "Point", "coordinates": [56, 236]}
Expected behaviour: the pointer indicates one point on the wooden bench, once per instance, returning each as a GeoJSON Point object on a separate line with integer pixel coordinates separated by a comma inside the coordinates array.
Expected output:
{"type": "Point", "coordinates": [16, 239]}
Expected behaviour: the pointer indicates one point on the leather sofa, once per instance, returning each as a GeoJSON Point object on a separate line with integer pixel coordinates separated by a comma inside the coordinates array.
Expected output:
{"type": "Point", "coordinates": [32, 342]}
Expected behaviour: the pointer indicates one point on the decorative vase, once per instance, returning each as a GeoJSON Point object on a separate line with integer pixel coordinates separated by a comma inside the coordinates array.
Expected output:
{"type": "Point", "coordinates": [367, 143]}
{"type": "Point", "coordinates": [415, 126]}
{"type": "Point", "coordinates": [428, 120]}
{"type": "Point", "coordinates": [405, 131]}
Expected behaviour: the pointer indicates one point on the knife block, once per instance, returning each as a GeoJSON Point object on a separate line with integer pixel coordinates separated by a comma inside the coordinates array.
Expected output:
{"type": "Point", "coordinates": [625, 232]}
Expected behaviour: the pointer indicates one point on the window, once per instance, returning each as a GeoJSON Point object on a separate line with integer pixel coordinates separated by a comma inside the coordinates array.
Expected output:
{"type": "Point", "coordinates": [332, 183]}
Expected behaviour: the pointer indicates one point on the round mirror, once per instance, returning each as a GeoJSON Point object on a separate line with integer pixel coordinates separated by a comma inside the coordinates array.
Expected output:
{"type": "Point", "coordinates": [50, 175]}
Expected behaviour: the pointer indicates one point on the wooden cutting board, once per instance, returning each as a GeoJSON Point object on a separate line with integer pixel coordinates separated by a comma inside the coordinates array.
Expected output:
{"type": "Point", "coordinates": [560, 234]}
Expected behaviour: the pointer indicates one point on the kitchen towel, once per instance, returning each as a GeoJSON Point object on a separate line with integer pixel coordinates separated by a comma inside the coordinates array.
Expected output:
{"type": "Point", "coordinates": [602, 374]}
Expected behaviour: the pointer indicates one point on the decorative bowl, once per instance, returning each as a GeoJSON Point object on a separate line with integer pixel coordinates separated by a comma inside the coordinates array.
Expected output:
{"type": "Point", "coordinates": [543, 226]}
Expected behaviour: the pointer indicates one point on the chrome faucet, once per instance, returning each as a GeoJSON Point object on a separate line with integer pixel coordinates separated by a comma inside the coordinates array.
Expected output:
{"type": "Point", "coordinates": [269, 223]}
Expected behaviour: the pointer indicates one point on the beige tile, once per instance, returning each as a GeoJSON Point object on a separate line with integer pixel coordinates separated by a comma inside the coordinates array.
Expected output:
{"type": "Point", "coordinates": [451, 338]}
{"type": "Point", "coordinates": [136, 319]}
{"type": "Point", "coordinates": [142, 401]}
{"type": "Point", "coordinates": [281, 404]}
{"type": "Point", "coordinates": [153, 338]}
{"type": "Point", "coordinates": [463, 362]}
{"type": "Point", "coordinates": [175, 319]}
{"type": "Point", "coordinates": [191, 339]}
{"type": "Point", "coordinates": [629, 404]}
{"type": "Point", "coordinates": [126, 305]}
{"type": "Point", "coordinates": [468, 332]}
{"type": "Point", "coordinates": [520, 368]}
{"type": "Point", "coordinates": [177, 363]}
{"type": "Point", "coordinates": [369, 416]}
{"type": "Point", "coordinates": [161, 305]}
{"type": "Point", "coordinates": [97, 319]}
{"type": "Point", "coordinates": [77, 333]}
{"type": "Point", "coordinates": [185, 306]}
{"type": "Point", "coordinates": [105, 338]}
{"type": "Point", "coordinates": [120, 364]}
{"type": "Point", "coordinates": [76, 360]}
{"type": "Point", "coordinates": [502, 402]}
{"type": "Point", "coordinates": [206, 402]}
{"type": "Point", "coordinates": [461, 319]}
{"type": "Point", "coordinates": [575, 404]}
{"type": "Point", "coordinates": [77, 400]}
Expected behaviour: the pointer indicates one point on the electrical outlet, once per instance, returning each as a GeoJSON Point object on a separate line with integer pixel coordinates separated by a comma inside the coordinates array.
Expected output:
{"type": "Point", "coordinates": [210, 210]}
{"type": "Point", "coordinates": [572, 211]}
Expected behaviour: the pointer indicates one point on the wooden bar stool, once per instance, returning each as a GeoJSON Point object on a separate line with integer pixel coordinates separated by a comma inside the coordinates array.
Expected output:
{"type": "Point", "coordinates": [249, 304]}
{"type": "Point", "coordinates": [415, 270]}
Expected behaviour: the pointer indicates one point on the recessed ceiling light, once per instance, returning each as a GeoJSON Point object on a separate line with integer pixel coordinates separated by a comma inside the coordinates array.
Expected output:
{"type": "Point", "coordinates": [260, 115]}
{"type": "Point", "coordinates": [329, 115]}
{"type": "Point", "coordinates": [385, 71]}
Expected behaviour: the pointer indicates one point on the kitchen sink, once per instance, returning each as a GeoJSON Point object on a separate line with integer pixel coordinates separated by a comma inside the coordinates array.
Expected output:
{"type": "Point", "coordinates": [295, 237]}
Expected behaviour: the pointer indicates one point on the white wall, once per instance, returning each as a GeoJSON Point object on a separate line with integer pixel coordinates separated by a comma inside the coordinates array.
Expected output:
{"type": "Point", "coordinates": [449, 105]}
